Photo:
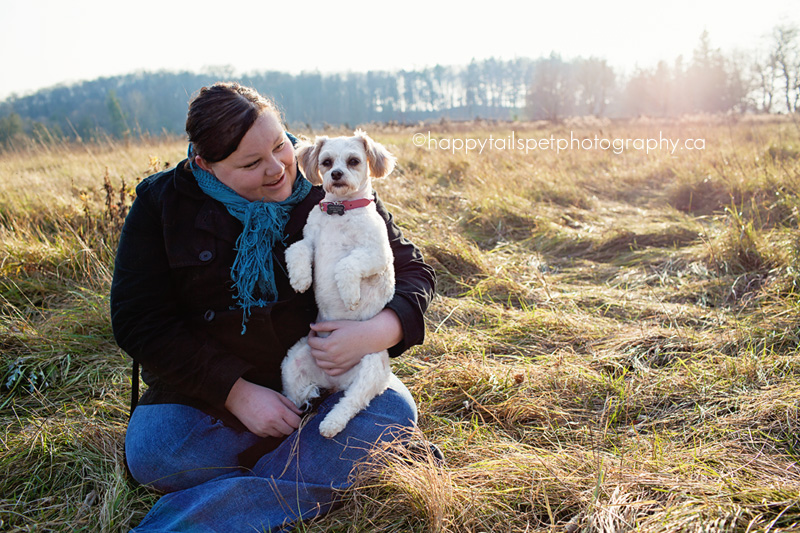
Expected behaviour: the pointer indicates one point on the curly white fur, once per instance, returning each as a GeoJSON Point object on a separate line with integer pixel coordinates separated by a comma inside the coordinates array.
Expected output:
{"type": "Point", "coordinates": [350, 262]}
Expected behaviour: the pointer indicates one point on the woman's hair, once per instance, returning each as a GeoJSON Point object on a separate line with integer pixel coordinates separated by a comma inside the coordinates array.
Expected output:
{"type": "Point", "coordinates": [220, 115]}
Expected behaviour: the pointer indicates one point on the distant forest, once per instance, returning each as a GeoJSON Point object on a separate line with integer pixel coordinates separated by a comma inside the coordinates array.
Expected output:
{"type": "Point", "coordinates": [547, 88]}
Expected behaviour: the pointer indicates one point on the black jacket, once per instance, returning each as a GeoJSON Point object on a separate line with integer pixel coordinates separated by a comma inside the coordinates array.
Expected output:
{"type": "Point", "coordinates": [172, 306]}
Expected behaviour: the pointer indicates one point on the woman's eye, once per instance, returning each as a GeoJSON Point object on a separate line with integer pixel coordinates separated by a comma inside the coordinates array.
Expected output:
{"type": "Point", "coordinates": [325, 162]}
{"type": "Point", "coordinates": [251, 165]}
{"type": "Point", "coordinates": [280, 146]}
{"type": "Point", "coordinates": [353, 161]}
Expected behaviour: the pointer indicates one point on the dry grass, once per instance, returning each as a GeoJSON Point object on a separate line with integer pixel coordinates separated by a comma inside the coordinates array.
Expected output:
{"type": "Point", "coordinates": [613, 346]}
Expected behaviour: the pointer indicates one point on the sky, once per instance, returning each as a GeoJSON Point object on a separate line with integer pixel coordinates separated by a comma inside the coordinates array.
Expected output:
{"type": "Point", "coordinates": [50, 42]}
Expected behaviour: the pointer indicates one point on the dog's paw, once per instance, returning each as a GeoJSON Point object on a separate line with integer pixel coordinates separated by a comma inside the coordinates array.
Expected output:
{"type": "Point", "coordinates": [329, 428]}
{"type": "Point", "coordinates": [300, 279]}
{"type": "Point", "coordinates": [349, 284]}
{"type": "Point", "coordinates": [350, 295]}
{"type": "Point", "coordinates": [353, 305]}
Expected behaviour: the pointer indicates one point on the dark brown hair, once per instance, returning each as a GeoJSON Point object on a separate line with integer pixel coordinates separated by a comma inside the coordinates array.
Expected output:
{"type": "Point", "coordinates": [220, 115]}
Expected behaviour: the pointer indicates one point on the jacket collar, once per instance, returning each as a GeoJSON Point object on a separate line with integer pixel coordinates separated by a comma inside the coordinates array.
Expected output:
{"type": "Point", "coordinates": [185, 182]}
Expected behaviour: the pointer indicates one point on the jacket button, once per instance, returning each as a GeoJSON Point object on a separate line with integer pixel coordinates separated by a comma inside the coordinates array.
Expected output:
{"type": "Point", "coordinates": [206, 255]}
{"type": "Point", "coordinates": [209, 315]}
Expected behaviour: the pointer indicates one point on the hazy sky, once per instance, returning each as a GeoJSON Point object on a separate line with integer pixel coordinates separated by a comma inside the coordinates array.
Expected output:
{"type": "Point", "coordinates": [47, 42]}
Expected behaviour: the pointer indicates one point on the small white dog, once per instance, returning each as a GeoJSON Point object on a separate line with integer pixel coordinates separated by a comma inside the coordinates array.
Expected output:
{"type": "Point", "coordinates": [353, 273]}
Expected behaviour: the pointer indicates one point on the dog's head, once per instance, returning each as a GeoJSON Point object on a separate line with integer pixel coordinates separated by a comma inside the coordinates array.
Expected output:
{"type": "Point", "coordinates": [344, 165]}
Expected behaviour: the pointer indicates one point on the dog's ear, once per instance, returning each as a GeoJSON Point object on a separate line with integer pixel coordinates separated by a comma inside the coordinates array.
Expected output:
{"type": "Point", "coordinates": [381, 162]}
{"type": "Point", "coordinates": [308, 158]}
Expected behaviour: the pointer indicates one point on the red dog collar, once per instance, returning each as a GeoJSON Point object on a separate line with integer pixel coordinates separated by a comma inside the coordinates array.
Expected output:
{"type": "Point", "coordinates": [338, 208]}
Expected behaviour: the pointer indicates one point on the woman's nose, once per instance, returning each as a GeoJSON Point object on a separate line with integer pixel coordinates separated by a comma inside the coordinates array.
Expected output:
{"type": "Point", "coordinates": [274, 167]}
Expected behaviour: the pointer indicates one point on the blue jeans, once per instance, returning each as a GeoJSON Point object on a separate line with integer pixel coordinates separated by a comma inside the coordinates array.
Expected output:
{"type": "Point", "coordinates": [194, 456]}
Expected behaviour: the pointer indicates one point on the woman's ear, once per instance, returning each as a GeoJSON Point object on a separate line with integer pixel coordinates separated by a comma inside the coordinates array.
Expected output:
{"type": "Point", "coordinates": [200, 162]}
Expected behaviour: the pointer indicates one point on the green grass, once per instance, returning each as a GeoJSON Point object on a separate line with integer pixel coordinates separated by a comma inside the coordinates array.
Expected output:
{"type": "Point", "coordinates": [613, 345]}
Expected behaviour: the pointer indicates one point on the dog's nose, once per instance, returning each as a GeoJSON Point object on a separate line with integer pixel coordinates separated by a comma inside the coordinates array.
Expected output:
{"type": "Point", "coordinates": [336, 175]}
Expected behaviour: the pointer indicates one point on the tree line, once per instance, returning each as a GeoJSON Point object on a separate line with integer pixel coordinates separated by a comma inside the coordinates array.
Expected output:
{"type": "Point", "coordinates": [547, 88]}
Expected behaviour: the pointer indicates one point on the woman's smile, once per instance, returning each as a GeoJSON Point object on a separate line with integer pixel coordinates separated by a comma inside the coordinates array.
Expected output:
{"type": "Point", "coordinates": [276, 182]}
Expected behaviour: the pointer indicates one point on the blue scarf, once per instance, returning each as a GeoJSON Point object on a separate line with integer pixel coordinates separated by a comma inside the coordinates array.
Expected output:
{"type": "Point", "coordinates": [263, 223]}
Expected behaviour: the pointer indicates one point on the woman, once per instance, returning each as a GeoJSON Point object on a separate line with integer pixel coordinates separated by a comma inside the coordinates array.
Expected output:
{"type": "Point", "coordinates": [202, 301]}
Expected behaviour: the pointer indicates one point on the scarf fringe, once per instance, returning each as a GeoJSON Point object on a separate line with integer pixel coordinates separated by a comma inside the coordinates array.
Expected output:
{"type": "Point", "coordinates": [263, 225]}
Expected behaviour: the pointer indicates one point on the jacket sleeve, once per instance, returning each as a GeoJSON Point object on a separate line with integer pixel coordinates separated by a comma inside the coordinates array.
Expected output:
{"type": "Point", "coordinates": [414, 285]}
{"type": "Point", "coordinates": [146, 321]}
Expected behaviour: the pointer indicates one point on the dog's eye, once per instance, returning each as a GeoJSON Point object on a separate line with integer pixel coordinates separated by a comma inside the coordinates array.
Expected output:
{"type": "Point", "coordinates": [325, 162]}
{"type": "Point", "coordinates": [353, 161]}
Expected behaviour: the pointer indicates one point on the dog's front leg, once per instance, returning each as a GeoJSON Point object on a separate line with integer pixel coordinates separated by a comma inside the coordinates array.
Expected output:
{"type": "Point", "coordinates": [350, 271]}
{"type": "Point", "coordinates": [298, 260]}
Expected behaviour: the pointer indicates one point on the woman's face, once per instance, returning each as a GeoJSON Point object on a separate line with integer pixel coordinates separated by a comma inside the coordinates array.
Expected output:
{"type": "Point", "coordinates": [263, 167]}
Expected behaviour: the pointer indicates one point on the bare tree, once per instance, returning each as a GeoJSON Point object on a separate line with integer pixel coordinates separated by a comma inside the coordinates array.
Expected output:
{"type": "Point", "coordinates": [763, 72]}
{"type": "Point", "coordinates": [552, 92]}
{"type": "Point", "coordinates": [595, 80]}
{"type": "Point", "coordinates": [740, 82]}
{"type": "Point", "coordinates": [786, 57]}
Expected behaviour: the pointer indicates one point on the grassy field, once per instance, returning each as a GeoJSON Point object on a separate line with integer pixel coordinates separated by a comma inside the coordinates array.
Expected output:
{"type": "Point", "coordinates": [613, 345]}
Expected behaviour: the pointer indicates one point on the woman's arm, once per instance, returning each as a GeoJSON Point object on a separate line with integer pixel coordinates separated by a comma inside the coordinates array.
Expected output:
{"type": "Point", "coordinates": [415, 283]}
{"type": "Point", "coordinates": [350, 340]}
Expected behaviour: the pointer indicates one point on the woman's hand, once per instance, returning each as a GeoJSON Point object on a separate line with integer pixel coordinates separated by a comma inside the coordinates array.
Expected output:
{"type": "Point", "coordinates": [350, 340]}
{"type": "Point", "coordinates": [262, 410]}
